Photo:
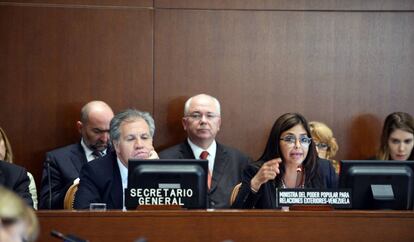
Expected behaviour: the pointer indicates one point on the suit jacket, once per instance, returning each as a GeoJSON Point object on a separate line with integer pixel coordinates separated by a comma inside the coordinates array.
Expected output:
{"type": "Point", "coordinates": [15, 178]}
{"type": "Point", "coordinates": [266, 196]}
{"type": "Point", "coordinates": [65, 165]}
{"type": "Point", "coordinates": [227, 171]}
{"type": "Point", "coordinates": [100, 182]}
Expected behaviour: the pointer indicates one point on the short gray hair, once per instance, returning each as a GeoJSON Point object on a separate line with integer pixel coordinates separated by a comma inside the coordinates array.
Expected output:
{"type": "Point", "coordinates": [129, 115]}
{"type": "Point", "coordinates": [188, 102]}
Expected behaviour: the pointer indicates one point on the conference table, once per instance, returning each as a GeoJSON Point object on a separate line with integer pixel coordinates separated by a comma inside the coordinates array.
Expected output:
{"type": "Point", "coordinates": [229, 225]}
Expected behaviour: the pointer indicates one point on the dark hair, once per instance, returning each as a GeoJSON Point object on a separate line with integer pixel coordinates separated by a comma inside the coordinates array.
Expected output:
{"type": "Point", "coordinates": [272, 150]}
{"type": "Point", "coordinates": [394, 121]}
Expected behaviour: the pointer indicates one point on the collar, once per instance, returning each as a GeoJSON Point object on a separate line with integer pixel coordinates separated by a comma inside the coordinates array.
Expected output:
{"type": "Point", "coordinates": [211, 152]}
{"type": "Point", "coordinates": [88, 151]}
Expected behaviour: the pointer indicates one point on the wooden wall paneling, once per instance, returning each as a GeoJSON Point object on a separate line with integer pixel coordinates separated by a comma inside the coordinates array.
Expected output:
{"type": "Point", "coordinates": [343, 68]}
{"type": "Point", "coordinates": [112, 3]}
{"type": "Point", "coordinates": [350, 5]}
{"type": "Point", "coordinates": [54, 60]}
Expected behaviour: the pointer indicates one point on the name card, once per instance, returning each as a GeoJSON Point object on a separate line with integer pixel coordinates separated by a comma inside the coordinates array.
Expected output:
{"type": "Point", "coordinates": [337, 198]}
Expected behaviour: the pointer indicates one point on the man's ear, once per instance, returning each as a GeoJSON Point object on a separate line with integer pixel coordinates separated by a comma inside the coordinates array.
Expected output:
{"type": "Point", "coordinates": [115, 146]}
{"type": "Point", "coordinates": [184, 123]}
{"type": "Point", "coordinates": [79, 125]}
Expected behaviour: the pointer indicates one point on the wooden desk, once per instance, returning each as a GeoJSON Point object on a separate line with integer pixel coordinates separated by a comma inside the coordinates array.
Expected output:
{"type": "Point", "coordinates": [236, 225]}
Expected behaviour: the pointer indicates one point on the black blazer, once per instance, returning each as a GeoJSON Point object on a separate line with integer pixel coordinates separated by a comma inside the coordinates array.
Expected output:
{"type": "Point", "coordinates": [228, 168]}
{"type": "Point", "coordinates": [15, 178]}
{"type": "Point", "coordinates": [266, 196]}
{"type": "Point", "coordinates": [100, 182]}
{"type": "Point", "coordinates": [65, 165]}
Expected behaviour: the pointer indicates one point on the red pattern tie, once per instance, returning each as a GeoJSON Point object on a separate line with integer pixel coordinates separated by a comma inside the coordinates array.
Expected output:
{"type": "Point", "coordinates": [204, 156]}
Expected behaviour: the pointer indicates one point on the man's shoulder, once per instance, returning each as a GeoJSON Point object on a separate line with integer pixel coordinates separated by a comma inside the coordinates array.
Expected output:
{"type": "Point", "coordinates": [66, 149]}
{"type": "Point", "coordinates": [11, 167]}
{"type": "Point", "coordinates": [174, 150]}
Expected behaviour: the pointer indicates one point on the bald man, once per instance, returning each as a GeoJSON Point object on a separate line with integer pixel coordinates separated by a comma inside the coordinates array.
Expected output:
{"type": "Point", "coordinates": [66, 162]}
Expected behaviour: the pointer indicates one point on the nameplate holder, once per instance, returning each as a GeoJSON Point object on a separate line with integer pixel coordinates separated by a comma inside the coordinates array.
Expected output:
{"type": "Point", "coordinates": [323, 198]}
{"type": "Point", "coordinates": [159, 207]}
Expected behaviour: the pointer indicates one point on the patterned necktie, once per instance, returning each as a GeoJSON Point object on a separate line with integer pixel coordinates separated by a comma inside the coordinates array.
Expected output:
{"type": "Point", "coordinates": [204, 156]}
{"type": "Point", "coordinates": [96, 154]}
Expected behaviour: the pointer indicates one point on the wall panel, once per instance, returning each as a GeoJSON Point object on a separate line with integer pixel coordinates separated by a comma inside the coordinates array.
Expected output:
{"type": "Point", "coordinates": [348, 69]}
{"type": "Point", "coordinates": [349, 5]}
{"type": "Point", "coordinates": [53, 60]}
{"type": "Point", "coordinates": [80, 3]}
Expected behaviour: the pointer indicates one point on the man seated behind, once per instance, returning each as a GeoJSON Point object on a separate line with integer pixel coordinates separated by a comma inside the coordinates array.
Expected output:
{"type": "Point", "coordinates": [202, 120]}
{"type": "Point", "coordinates": [104, 180]}
{"type": "Point", "coordinates": [66, 162]}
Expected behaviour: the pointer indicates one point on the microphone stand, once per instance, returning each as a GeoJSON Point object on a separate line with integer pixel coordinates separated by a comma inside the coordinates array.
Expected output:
{"type": "Point", "coordinates": [49, 180]}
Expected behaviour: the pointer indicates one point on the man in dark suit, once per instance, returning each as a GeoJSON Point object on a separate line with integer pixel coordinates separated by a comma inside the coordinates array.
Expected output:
{"type": "Point", "coordinates": [15, 178]}
{"type": "Point", "coordinates": [66, 162]}
{"type": "Point", "coordinates": [104, 180]}
{"type": "Point", "coordinates": [202, 122]}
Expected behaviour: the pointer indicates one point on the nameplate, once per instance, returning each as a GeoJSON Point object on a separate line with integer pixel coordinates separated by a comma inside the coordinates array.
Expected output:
{"type": "Point", "coordinates": [337, 198]}
{"type": "Point", "coordinates": [161, 196]}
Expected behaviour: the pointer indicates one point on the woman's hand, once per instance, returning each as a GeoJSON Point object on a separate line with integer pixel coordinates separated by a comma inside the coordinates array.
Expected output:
{"type": "Point", "coordinates": [268, 171]}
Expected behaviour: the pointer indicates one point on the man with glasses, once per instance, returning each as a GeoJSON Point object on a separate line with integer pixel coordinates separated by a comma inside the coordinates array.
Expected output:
{"type": "Point", "coordinates": [64, 164]}
{"type": "Point", "coordinates": [201, 121]}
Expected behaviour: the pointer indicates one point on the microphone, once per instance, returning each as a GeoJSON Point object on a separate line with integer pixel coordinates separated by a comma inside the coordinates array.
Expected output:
{"type": "Point", "coordinates": [299, 174]}
{"type": "Point", "coordinates": [49, 181]}
{"type": "Point", "coordinates": [66, 238]}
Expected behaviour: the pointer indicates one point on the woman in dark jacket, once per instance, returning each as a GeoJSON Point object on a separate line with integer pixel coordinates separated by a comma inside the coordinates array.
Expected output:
{"type": "Point", "coordinates": [289, 160]}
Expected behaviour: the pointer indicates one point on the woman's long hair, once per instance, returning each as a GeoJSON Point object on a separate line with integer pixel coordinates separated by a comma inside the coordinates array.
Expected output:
{"type": "Point", "coordinates": [394, 121]}
{"type": "Point", "coordinates": [272, 150]}
{"type": "Point", "coordinates": [9, 153]}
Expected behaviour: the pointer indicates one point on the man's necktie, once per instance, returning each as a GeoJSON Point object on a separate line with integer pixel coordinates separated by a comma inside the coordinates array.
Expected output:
{"type": "Point", "coordinates": [204, 156]}
{"type": "Point", "coordinates": [96, 154]}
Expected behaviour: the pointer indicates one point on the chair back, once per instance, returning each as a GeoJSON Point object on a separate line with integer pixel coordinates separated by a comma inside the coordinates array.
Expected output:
{"type": "Point", "coordinates": [234, 193]}
{"type": "Point", "coordinates": [70, 196]}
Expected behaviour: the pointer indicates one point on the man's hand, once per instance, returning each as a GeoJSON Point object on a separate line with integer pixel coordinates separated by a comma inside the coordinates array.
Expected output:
{"type": "Point", "coordinates": [153, 155]}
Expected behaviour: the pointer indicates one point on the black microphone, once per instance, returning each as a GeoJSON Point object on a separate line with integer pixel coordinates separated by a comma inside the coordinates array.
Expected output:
{"type": "Point", "coordinates": [49, 181]}
{"type": "Point", "coordinates": [66, 238]}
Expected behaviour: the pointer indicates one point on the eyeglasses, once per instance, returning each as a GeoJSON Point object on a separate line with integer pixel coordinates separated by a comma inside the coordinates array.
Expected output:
{"type": "Point", "coordinates": [322, 146]}
{"type": "Point", "coordinates": [291, 140]}
{"type": "Point", "coordinates": [199, 116]}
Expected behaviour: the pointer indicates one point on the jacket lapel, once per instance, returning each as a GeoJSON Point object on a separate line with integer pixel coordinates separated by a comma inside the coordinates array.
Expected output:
{"type": "Point", "coordinates": [116, 193]}
{"type": "Point", "coordinates": [78, 157]}
{"type": "Point", "coordinates": [186, 151]}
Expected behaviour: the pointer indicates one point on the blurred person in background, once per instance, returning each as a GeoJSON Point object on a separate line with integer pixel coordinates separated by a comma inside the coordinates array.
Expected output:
{"type": "Point", "coordinates": [325, 142]}
{"type": "Point", "coordinates": [397, 138]}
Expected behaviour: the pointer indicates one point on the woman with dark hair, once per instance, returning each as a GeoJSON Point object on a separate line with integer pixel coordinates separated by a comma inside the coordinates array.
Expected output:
{"type": "Point", "coordinates": [290, 160]}
{"type": "Point", "coordinates": [397, 137]}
